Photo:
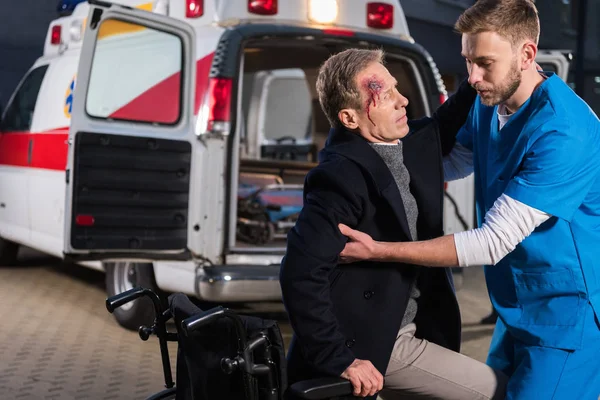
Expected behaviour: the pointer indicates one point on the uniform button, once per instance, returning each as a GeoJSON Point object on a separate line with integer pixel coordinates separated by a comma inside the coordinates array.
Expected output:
{"type": "Point", "coordinates": [350, 342]}
{"type": "Point", "coordinates": [368, 294]}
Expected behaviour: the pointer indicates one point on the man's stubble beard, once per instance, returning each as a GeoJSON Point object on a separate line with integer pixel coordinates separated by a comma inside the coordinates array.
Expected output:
{"type": "Point", "coordinates": [509, 87]}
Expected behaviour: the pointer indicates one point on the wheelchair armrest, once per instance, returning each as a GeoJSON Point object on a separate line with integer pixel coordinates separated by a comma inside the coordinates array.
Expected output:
{"type": "Point", "coordinates": [321, 388]}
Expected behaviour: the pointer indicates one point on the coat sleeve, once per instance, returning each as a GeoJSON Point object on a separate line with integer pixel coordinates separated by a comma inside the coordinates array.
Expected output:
{"type": "Point", "coordinates": [450, 116]}
{"type": "Point", "coordinates": [313, 247]}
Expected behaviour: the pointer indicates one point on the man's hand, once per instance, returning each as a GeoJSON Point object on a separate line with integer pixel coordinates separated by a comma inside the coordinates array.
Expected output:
{"type": "Point", "coordinates": [365, 378]}
{"type": "Point", "coordinates": [360, 246]}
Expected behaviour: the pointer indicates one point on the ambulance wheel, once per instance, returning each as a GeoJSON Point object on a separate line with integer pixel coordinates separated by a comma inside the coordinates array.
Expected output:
{"type": "Point", "coordinates": [8, 252]}
{"type": "Point", "coordinates": [125, 275]}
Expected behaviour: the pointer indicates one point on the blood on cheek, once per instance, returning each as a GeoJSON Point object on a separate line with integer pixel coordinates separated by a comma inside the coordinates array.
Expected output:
{"type": "Point", "coordinates": [373, 87]}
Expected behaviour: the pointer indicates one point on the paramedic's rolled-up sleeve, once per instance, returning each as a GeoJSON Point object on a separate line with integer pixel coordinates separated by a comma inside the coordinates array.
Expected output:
{"type": "Point", "coordinates": [313, 248]}
{"type": "Point", "coordinates": [558, 171]}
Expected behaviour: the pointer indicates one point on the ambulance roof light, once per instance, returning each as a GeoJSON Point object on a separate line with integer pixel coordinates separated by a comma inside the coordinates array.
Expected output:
{"type": "Point", "coordinates": [262, 7]}
{"type": "Point", "coordinates": [194, 8]}
{"type": "Point", "coordinates": [323, 11]}
{"type": "Point", "coordinates": [380, 15]}
{"type": "Point", "coordinates": [55, 34]}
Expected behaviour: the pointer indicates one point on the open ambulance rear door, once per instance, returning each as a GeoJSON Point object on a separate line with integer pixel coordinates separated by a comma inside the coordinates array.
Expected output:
{"type": "Point", "coordinates": [131, 138]}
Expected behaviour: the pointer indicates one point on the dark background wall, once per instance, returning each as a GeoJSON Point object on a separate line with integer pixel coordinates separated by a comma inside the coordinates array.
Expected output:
{"type": "Point", "coordinates": [431, 24]}
{"type": "Point", "coordinates": [559, 20]}
{"type": "Point", "coordinates": [23, 26]}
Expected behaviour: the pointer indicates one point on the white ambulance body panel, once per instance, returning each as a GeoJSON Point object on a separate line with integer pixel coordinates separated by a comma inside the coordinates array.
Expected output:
{"type": "Point", "coordinates": [46, 185]}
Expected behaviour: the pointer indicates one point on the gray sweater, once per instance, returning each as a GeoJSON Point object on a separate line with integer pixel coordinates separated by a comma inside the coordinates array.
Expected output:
{"type": "Point", "coordinates": [393, 157]}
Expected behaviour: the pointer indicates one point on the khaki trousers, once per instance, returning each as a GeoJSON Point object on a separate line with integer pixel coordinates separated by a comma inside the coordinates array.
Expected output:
{"type": "Point", "coordinates": [419, 369]}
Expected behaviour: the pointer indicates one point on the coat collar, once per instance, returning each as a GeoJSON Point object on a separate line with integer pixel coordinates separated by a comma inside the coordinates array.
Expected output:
{"type": "Point", "coordinates": [353, 146]}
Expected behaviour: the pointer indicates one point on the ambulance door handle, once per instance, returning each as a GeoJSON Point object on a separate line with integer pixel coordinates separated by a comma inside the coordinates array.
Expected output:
{"type": "Point", "coordinates": [29, 151]}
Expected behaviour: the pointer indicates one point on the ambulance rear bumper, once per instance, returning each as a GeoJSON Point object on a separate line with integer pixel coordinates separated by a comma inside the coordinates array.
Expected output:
{"type": "Point", "coordinates": [239, 283]}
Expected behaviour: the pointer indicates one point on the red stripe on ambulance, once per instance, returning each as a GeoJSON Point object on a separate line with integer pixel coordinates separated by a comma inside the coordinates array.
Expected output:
{"type": "Point", "coordinates": [46, 150]}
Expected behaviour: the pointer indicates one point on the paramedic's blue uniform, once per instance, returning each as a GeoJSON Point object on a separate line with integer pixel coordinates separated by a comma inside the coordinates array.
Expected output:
{"type": "Point", "coordinates": [547, 291]}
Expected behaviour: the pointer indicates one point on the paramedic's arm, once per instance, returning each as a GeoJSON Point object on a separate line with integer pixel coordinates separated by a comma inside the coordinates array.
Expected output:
{"type": "Point", "coordinates": [312, 253]}
{"type": "Point", "coordinates": [506, 225]}
{"type": "Point", "coordinates": [450, 116]}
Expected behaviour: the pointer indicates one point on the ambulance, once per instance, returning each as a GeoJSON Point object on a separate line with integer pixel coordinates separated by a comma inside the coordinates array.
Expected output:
{"type": "Point", "coordinates": [166, 142]}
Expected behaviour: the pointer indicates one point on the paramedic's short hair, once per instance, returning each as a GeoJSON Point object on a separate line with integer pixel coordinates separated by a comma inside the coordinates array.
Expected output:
{"type": "Point", "coordinates": [336, 84]}
{"type": "Point", "coordinates": [515, 20]}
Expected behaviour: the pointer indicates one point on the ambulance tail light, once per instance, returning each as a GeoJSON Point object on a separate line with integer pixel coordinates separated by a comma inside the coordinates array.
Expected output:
{"type": "Point", "coordinates": [84, 220]}
{"type": "Point", "coordinates": [194, 8]}
{"type": "Point", "coordinates": [380, 15]}
{"type": "Point", "coordinates": [219, 104]}
{"type": "Point", "coordinates": [262, 7]}
{"type": "Point", "coordinates": [443, 97]}
{"type": "Point", "coordinates": [55, 34]}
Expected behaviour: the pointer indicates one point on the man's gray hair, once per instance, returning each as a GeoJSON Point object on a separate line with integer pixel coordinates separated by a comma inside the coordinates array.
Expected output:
{"type": "Point", "coordinates": [336, 83]}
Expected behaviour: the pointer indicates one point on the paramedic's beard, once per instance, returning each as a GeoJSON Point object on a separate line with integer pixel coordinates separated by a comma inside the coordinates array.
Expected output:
{"type": "Point", "coordinates": [506, 90]}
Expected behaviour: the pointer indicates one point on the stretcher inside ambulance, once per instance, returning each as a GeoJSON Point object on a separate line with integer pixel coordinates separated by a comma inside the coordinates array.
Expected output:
{"type": "Point", "coordinates": [166, 143]}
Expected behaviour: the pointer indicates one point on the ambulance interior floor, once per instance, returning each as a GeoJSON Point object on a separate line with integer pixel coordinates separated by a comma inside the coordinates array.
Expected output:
{"type": "Point", "coordinates": [57, 341]}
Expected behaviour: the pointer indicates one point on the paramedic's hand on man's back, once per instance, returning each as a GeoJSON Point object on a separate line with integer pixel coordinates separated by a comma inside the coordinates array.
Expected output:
{"type": "Point", "coordinates": [365, 378]}
{"type": "Point", "coordinates": [360, 246]}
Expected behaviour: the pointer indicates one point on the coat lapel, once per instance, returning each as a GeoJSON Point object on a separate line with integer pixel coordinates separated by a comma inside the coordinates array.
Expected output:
{"type": "Point", "coordinates": [392, 195]}
{"type": "Point", "coordinates": [353, 146]}
{"type": "Point", "coordinates": [423, 160]}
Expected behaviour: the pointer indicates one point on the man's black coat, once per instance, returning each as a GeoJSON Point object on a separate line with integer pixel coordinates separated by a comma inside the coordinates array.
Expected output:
{"type": "Point", "coordinates": [342, 312]}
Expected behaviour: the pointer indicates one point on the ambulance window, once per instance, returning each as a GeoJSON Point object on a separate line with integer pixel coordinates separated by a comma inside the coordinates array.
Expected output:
{"type": "Point", "coordinates": [135, 74]}
{"type": "Point", "coordinates": [289, 110]}
{"type": "Point", "coordinates": [549, 67]}
{"type": "Point", "coordinates": [19, 113]}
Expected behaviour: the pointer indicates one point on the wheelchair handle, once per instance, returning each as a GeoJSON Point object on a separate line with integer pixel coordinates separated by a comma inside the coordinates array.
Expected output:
{"type": "Point", "coordinates": [116, 301]}
{"type": "Point", "coordinates": [195, 322]}
{"type": "Point", "coordinates": [158, 327]}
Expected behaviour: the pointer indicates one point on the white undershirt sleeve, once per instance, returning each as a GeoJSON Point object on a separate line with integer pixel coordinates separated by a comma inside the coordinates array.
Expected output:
{"type": "Point", "coordinates": [506, 225]}
{"type": "Point", "coordinates": [458, 164]}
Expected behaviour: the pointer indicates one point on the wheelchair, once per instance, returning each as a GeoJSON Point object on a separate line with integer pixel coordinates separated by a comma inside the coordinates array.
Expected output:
{"type": "Point", "coordinates": [224, 356]}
